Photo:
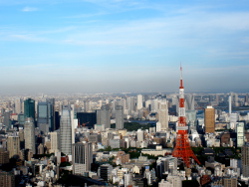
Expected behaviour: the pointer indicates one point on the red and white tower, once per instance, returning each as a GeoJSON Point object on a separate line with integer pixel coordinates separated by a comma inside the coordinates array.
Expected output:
{"type": "Point", "coordinates": [182, 148]}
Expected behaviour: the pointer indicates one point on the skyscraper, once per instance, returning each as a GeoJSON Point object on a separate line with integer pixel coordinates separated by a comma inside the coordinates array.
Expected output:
{"type": "Point", "coordinates": [45, 116]}
{"type": "Point", "coordinates": [66, 131]}
{"type": "Point", "coordinates": [245, 159]}
{"type": "Point", "coordinates": [55, 141]}
{"type": "Point", "coordinates": [18, 106]}
{"type": "Point", "coordinates": [42, 117]}
{"type": "Point", "coordinates": [103, 116]}
{"type": "Point", "coordinates": [7, 179]}
{"type": "Point", "coordinates": [119, 115]}
{"type": "Point", "coordinates": [29, 134]}
{"type": "Point", "coordinates": [7, 121]}
{"type": "Point", "coordinates": [190, 111]}
{"type": "Point", "coordinates": [163, 115]}
{"type": "Point", "coordinates": [82, 157]}
{"type": "Point", "coordinates": [240, 134]}
{"type": "Point", "coordinates": [13, 146]}
{"type": "Point", "coordinates": [29, 108]}
{"type": "Point", "coordinates": [139, 102]}
{"type": "Point", "coordinates": [209, 119]}
{"type": "Point", "coordinates": [130, 105]}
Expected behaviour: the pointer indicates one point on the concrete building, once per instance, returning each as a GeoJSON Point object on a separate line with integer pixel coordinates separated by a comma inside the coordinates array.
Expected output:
{"type": "Point", "coordinates": [139, 102]}
{"type": "Point", "coordinates": [230, 182]}
{"type": "Point", "coordinates": [140, 135]}
{"type": "Point", "coordinates": [163, 115]}
{"type": "Point", "coordinates": [119, 116]}
{"type": "Point", "coordinates": [82, 157]}
{"type": "Point", "coordinates": [13, 146]}
{"type": "Point", "coordinates": [175, 180]}
{"type": "Point", "coordinates": [29, 134]}
{"type": "Point", "coordinates": [4, 156]}
{"type": "Point", "coordinates": [209, 119]}
{"type": "Point", "coordinates": [55, 141]}
{"type": "Point", "coordinates": [104, 172]}
{"type": "Point", "coordinates": [66, 131]}
{"type": "Point", "coordinates": [245, 160]}
{"type": "Point", "coordinates": [103, 116]}
{"type": "Point", "coordinates": [7, 179]}
{"type": "Point", "coordinates": [240, 134]}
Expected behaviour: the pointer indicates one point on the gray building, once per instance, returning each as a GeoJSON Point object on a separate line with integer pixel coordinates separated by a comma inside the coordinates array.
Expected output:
{"type": "Point", "coordinates": [119, 115]}
{"type": "Point", "coordinates": [66, 131]}
{"type": "Point", "coordinates": [245, 160]}
{"type": "Point", "coordinates": [82, 157]}
{"type": "Point", "coordinates": [103, 116]}
{"type": "Point", "coordinates": [45, 116]}
{"type": "Point", "coordinates": [29, 134]}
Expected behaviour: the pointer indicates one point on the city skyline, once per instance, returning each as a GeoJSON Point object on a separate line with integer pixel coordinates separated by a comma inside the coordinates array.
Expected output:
{"type": "Point", "coordinates": [123, 46]}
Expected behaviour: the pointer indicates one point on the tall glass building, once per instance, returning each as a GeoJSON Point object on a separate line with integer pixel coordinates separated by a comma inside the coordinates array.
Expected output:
{"type": "Point", "coordinates": [29, 108]}
{"type": "Point", "coordinates": [45, 116]}
{"type": "Point", "coordinates": [66, 131]}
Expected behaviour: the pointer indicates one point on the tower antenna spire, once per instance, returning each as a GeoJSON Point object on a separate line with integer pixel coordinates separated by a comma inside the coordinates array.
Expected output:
{"type": "Point", "coordinates": [181, 79]}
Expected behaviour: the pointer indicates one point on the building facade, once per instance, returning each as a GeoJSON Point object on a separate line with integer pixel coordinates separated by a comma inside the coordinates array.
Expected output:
{"type": "Point", "coordinates": [66, 131]}
{"type": "Point", "coordinates": [209, 119]}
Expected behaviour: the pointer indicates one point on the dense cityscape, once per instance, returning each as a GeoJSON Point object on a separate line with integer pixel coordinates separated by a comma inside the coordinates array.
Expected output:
{"type": "Point", "coordinates": [91, 93]}
{"type": "Point", "coordinates": [125, 139]}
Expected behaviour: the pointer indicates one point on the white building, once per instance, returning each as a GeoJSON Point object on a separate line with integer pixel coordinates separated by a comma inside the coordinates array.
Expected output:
{"type": "Point", "coordinates": [240, 134]}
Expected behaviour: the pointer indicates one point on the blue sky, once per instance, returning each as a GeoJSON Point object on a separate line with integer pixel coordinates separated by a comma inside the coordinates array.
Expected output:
{"type": "Point", "coordinates": [123, 45]}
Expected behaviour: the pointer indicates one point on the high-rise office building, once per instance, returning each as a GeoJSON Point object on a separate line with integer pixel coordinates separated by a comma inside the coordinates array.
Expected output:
{"type": "Point", "coordinates": [119, 115]}
{"type": "Point", "coordinates": [130, 105]}
{"type": "Point", "coordinates": [139, 102]}
{"type": "Point", "coordinates": [190, 111]}
{"type": "Point", "coordinates": [103, 116]}
{"type": "Point", "coordinates": [18, 106]}
{"type": "Point", "coordinates": [190, 102]}
{"type": "Point", "coordinates": [29, 108]}
{"type": "Point", "coordinates": [240, 134]}
{"type": "Point", "coordinates": [45, 116]}
{"type": "Point", "coordinates": [82, 157]}
{"type": "Point", "coordinates": [209, 119]}
{"type": "Point", "coordinates": [4, 156]}
{"type": "Point", "coordinates": [29, 134]}
{"type": "Point", "coordinates": [245, 159]}
{"type": "Point", "coordinates": [13, 146]}
{"type": "Point", "coordinates": [87, 119]}
{"type": "Point", "coordinates": [42, 117]}
{"type": "Point", "coordinates": [163, 115]}
{"type": "Point", "coordinates": [55, 141]}
{"type": "Point", "coordinates": [66, 131]}
{"type": "Point", "coordinates": [7, 179]}
{"type": "Point", "coordinates": [7, 121]}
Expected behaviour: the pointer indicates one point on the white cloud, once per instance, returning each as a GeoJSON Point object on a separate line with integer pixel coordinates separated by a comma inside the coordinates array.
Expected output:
{"type": "Point", "coordinates": [29, 9]}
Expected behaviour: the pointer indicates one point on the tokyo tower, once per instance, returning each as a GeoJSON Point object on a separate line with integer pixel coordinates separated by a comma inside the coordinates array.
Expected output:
{"type": "Point", "coordinates": [182, 148]}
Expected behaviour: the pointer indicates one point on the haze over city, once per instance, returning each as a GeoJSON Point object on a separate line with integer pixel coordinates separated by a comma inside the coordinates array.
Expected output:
{"type": "Point", "coordinates": [119, 46]}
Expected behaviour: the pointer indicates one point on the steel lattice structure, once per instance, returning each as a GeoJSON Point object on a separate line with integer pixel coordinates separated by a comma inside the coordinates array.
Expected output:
{"type": "Point", "coordinates": [182, 148]}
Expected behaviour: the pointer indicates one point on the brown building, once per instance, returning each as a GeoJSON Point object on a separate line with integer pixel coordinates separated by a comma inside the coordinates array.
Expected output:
{"type": "Point", "coordinates": [230, 182]}
{"type": "Point", "coordinates": [7, 179]}
{"type": "Point", "coordinates": [13, 146]}
{"type": "Point", "coordinates": [124, 158]}
{"type": "Point", "coordinates": [225, 139]}
{"type": "Point", "coordinates": [205, 179]}
{"type": "Point", "coordinates": [4, 156]}
{"type": "Point", "coordinates": [209, 119]}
